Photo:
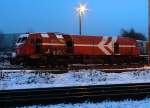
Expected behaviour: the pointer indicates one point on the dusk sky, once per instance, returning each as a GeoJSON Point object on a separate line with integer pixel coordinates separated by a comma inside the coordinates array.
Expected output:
{"type": "Point", "coordinates": [104, 17]}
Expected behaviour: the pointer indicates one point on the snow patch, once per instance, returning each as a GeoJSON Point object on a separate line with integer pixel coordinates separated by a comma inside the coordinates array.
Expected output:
{"type": "Point", "coordinates": [107, 104]}
{"type": "Point", "coordinates": [12, 79]}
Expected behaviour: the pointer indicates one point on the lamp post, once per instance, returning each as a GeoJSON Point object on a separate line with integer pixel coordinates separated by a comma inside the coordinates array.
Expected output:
{"type": "Point", "coordinates": [149, 32]}
{"type": "Point", "coordinates": [81, 11]}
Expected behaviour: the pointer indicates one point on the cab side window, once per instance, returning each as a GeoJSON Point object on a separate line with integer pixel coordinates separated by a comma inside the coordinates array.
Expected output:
{"type": "Point", "coordinates": [32, 41]}
{"type": "Point", "coordinates": [69, 43]}
{"type": "Point", "coordinates": [18, 40]}
{"type": "Point", "coordinates": [24, 39]}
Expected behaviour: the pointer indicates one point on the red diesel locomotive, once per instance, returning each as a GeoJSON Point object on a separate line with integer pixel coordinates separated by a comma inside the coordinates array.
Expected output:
{"type": "Point", "coordinates": [63, 49]}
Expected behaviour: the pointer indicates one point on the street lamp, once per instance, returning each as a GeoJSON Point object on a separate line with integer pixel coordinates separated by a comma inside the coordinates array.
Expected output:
{"type": "Point", "coordinates": [81, 11]}
{"type": "Point", "coordinates": [149, 32]}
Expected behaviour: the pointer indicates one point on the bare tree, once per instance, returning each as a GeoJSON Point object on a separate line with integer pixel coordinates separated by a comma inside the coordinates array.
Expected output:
{"type": "Point", "coordinates": [133, 34]}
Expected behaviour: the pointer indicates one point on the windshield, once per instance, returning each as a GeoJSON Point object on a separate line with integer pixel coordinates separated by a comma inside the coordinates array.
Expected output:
{"type": "Point", "coordinates": [23, 39]}
{"type": "Point", "coordinates": [18, 41]}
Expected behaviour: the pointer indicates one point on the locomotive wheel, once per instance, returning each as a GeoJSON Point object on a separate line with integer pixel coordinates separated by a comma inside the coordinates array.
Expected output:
{"type": "Point", "coordinates": [15, 61]}
{"type": "Point", "coordinates": [12, 61]}
{"type": "Point", "coordinates": [53, 66]}
{"type": "Point", "coordinates": [65, 65]}
{"type": "Point", "coordinates": [18, 62]}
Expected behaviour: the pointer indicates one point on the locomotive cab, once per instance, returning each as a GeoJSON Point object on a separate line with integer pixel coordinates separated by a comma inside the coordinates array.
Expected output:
{"type": "Point", "coordinates": [21, 40]}
{"type": "Point", "coordinates": [21, 44]}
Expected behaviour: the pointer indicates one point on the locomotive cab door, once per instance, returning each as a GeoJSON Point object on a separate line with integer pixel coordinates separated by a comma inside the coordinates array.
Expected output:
{"type": "Point", "coordinates": [116, 48]}
{"type": "Point", "coordinates": [38, 45]}
{"type": "Point", "coordinates": [69, 44]}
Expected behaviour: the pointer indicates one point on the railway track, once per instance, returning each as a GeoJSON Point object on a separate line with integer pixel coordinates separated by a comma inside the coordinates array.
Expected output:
{"type": "Point", "coordinates": [56, 95]}
{"type": "Point", "coordinates": [105, 68]}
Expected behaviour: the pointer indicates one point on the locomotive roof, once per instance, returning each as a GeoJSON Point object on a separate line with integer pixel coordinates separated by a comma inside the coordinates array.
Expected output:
{"type": "Point", "coordinates": [24, 35]}
{"type": "Point", "coordinates": [58, 33]}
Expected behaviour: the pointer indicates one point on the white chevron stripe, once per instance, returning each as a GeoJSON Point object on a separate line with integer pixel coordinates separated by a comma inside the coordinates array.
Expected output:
{"type": "Point", "coordinates": [101, 45]}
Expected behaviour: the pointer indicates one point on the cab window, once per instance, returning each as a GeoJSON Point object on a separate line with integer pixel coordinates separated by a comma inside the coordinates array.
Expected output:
{"type": "Point", "coordinates": [18, 41]}
{"type": "Point", "coordinates": [23, 39]}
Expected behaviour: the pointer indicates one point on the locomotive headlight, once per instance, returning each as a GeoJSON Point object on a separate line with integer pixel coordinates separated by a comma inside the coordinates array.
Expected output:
{"type": "Point", "coordinates": [13, 54]}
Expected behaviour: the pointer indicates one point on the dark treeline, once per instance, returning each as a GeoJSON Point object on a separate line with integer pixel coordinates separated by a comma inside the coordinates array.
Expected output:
{"type": "Point", "coordinates": [7, 41]}
{"type": "Point", "coordinates": [133, 34]}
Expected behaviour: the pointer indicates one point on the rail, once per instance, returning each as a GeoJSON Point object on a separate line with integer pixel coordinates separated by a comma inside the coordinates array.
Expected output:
{"type": "Point", "coordinates": [105, 68]}
{"type": "Point", "coordinates": [73, 94]}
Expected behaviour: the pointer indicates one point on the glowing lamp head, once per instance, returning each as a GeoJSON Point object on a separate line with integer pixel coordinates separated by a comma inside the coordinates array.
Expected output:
{"type": "Point", "coordinates": [81, 9]}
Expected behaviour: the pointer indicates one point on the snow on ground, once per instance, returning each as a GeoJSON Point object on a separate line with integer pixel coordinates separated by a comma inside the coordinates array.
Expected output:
{"type": "Point", "coordinates": [107, 104]}
{"type": "Point", "coordinates": [4, 60]}
{"type": "Point", "coordinates": [5, 63]}
{"type": "Point", "coordinates": [12, 79]}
